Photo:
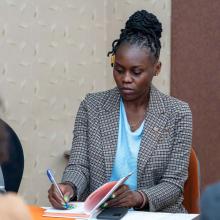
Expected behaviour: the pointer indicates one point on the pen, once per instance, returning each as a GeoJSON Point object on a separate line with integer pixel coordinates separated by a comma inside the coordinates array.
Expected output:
{"type": "Point", "coordinates": [53, 181]}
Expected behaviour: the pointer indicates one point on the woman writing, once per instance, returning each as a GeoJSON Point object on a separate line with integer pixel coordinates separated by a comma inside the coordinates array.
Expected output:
{"type": "Point", "coordinates": [131, 128]}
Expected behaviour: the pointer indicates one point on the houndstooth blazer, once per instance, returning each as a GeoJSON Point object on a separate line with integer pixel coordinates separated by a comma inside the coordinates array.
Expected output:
{"type": "Point", "coordinates": [163, 156]}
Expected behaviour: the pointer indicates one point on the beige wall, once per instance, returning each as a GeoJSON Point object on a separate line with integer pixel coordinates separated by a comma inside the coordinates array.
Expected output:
{"type": "Point", "coordinates": [51, 54]}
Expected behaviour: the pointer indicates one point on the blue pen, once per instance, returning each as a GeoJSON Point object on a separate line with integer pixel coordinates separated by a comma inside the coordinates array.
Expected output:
{"type": "Point", "coordinates": [53, 181]}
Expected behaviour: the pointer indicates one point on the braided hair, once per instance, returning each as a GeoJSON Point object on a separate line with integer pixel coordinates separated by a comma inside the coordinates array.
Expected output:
{"type": "Point", "coordinates": [142, 29]}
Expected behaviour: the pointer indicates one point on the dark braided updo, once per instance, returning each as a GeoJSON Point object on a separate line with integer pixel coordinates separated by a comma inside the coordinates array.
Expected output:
{"type": "Point", "coordinates": [142, 29]}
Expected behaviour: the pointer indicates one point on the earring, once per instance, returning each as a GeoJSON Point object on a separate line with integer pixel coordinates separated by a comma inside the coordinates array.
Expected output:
{"type": "Point", "coordinates": [112, 60]}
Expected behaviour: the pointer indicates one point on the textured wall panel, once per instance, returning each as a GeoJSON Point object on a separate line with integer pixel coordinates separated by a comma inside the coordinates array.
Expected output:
{"type": "Point", "coordinates": [51, 54]}
{"type": "Point", "coordinates": [196, 78]}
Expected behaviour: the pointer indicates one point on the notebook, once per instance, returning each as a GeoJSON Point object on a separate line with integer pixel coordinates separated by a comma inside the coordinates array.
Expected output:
{"type": "Point", "coordinates": [91, 206]}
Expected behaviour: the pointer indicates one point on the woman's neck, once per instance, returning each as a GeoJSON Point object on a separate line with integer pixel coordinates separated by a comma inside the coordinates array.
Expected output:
{"type": "Point", "coordinates": [140, 103]}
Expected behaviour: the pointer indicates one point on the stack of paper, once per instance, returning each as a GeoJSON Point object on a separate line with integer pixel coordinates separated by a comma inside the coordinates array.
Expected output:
{"type": "Point", "coordinates": [77, 212]}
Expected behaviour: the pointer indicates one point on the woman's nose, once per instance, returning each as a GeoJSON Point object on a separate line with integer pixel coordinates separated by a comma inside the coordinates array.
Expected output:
{"type": "Point", "coordinates": [127, 77]}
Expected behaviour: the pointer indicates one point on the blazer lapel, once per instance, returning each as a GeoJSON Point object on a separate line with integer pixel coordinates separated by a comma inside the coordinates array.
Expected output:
{"type": "Point", "coordinates": [109, 124]}
{"type": "Point", "coordinates": [155, 122]}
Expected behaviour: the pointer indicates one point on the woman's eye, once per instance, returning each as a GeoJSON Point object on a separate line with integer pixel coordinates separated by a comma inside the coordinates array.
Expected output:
{"type": "Point", "coordinates": [119, 70]}
{"type": "Point", "coordinates": [137, 72]}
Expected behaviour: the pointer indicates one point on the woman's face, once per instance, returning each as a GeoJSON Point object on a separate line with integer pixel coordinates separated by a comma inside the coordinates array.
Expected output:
{"type": "Point", "coordinates": [133, 71]}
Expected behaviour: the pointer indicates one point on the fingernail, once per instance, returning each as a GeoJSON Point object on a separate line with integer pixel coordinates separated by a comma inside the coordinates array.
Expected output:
{"type": "Point", "coordinates": [70, 206]}
{"type": "Point", "coordinates": [66, 198]}
{"type": "Point", "coordinates": [105, 205]}
{"type": "Point", "coordinates": [65, 206]}
{"type": "Point", "coordinates": [113, 196]}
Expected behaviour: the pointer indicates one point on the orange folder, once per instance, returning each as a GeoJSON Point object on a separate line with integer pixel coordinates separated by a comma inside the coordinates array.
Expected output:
{"type": "Point", "coordinates": [37, 214]}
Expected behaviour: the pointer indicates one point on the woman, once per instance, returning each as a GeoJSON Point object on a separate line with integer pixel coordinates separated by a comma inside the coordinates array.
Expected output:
{"type": "Point", "coordinates": [132, 127]}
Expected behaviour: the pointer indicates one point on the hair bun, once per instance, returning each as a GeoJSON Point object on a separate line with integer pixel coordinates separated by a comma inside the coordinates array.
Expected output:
{"type": "Point", "coordinates": [145, 22]}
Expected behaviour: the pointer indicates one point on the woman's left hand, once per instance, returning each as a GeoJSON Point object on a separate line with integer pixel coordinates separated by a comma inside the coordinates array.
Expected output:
{"type": "Point", "coordinates": [124, 197]}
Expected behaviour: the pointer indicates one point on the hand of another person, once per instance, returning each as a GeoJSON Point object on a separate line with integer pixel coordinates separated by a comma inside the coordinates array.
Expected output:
{"type": "Point", "coordinates": [55, 198]}
{"type": "Point", "coordinates": [124, 197]}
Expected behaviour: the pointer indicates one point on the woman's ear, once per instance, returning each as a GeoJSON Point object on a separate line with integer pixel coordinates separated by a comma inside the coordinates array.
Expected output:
{"type": "Point", "coordinates": [157, 68]}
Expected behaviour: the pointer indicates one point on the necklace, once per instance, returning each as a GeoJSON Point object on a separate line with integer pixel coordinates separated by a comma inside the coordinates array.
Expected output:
{"type": "Point", "coordinates": [135, 125]}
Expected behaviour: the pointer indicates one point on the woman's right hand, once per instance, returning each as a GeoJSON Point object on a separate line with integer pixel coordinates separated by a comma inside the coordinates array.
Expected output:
{"type": "Point", "coordinates": [55, 198]}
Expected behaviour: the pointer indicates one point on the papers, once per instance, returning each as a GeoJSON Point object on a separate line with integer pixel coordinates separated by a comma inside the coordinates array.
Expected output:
{"type": "Point", "coordinates": [92, 204]}
{"type": "Point", "coordinates": [181, 217]}
{"type": "Point", "coordinates": [102, 194]}
{"type": "Point", "coordinates": [134, 215]}
{"type": "Point", "coordinates": [77, 212]}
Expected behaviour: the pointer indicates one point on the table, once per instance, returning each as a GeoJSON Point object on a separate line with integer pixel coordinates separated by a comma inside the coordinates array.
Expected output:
{"type": "Point", "coordinates": [37, 213]}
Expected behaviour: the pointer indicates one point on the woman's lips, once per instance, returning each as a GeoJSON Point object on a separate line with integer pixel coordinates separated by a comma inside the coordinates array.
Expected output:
{"type": "Point", "coordinates": [127, 91]}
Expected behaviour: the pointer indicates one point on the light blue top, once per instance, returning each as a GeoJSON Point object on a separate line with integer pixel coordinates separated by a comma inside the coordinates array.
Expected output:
{"type": "Point", "coordinates": [127, 150]}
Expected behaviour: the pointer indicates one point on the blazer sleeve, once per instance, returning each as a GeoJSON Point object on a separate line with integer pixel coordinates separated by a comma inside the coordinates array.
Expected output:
{"type": "Point", "coordinates": [77, 170]}
{"type": "Point", "coordinates": [170, 187]}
